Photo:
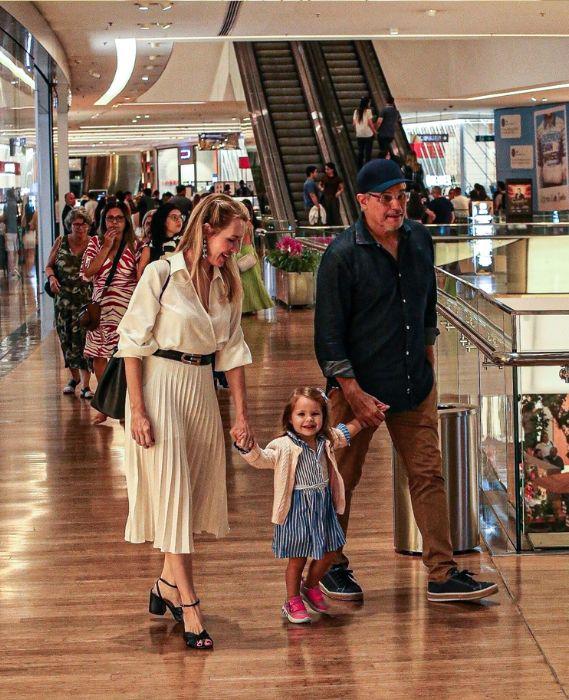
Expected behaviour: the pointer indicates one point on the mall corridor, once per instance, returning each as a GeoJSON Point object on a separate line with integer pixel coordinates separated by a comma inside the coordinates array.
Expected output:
{"type": "Point", "coordinates": [74, 614]}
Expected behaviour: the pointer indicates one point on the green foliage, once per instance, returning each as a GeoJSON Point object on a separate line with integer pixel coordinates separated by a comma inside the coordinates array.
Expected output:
{"type": "Point", "coordinates": [307, 261]}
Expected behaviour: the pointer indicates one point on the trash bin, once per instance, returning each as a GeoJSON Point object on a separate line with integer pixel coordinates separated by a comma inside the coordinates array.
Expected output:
{"type": "Point", "coordinates": [458, 430]}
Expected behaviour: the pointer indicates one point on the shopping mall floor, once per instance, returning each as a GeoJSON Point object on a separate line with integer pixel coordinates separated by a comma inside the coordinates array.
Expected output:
{"type": "Point", "coordinates": [74, 595]}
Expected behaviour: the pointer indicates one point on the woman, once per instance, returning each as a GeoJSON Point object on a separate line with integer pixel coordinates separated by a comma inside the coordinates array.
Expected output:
{"type": "Point", "coordinates": [365, 130]}
{"type": "Point", "coordinates": [71, 292]}
{"type": "Point", "coordinates": [417, 211]}
{"type": "Point", "coordinates": [332, 187]}
{"type": "Point", "coordinates": [185, 312]}
{"type": "Point", "coordinates": [413, 171]}
{"type": "Point", "coordinates": [196, 200]}
{"type": "Point", "coordinates": [255, 295]}
{"type": "Point", "coordinates": [115, 241]}
{"type": "Point", "coordinates": [165, 233]}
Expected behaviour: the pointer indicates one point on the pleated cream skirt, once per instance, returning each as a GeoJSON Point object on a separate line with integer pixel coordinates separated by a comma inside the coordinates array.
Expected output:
{"type": "Point", "coordinates": [177, 488]}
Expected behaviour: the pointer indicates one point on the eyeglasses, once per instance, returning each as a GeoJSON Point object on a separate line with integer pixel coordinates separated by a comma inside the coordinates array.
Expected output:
{"type": "Point", "coordinates": [79, 224]}
{"type": "Point", "coordinates": [385, 198]}
{"type": "Point", "coordinates": [114, 219]}
{"type": "Point", "coordinates": [177, 217]}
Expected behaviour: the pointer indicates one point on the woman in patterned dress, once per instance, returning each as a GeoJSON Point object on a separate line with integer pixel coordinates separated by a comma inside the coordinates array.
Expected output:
{"type": "Point", "coordinates": [116, 234]}
{"type": "Point", "coordinates": [71, 292]}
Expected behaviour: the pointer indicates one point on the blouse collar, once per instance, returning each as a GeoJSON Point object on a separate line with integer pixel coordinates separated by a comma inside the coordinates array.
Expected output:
{"type": "Point", "coordinates": [178, 262]}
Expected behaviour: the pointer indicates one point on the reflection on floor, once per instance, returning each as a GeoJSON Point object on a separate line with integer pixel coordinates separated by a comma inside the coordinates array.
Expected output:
{"type": "Point", "coordinates": [73, 595]}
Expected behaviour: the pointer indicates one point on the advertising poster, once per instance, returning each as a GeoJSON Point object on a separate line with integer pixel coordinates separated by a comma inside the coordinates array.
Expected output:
{"type": "Point", "coordinates": [511, 126]}
{"type": "Point", "coordinates": [551, 151]}
{"type": "Point", "coordinates": [521, 157]}
{"type": "Point", "coordinates": [519, 197]}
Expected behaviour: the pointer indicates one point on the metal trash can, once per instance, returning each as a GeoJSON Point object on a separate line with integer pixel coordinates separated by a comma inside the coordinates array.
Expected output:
{"type": "Point", "coordinates": [458, 431]}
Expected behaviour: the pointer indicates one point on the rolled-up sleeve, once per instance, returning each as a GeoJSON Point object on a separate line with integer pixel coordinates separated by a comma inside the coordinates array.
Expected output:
{"type": "Point", "coordinates": [235, 352]}
{"type": "Point", "coordinates": [136, 338]}
{"type": "Point", "coordinates": [331, 318]}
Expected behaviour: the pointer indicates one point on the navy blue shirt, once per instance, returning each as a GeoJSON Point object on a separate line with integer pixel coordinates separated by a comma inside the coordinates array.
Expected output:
{"type": "Point", "coordinates": [374, 314]}
{"type": "Point", "coordinates": [442, 208]}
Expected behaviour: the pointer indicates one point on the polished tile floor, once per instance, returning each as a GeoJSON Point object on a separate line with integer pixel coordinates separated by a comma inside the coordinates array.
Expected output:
{"type": "Point", "coordinates": [74, 595]}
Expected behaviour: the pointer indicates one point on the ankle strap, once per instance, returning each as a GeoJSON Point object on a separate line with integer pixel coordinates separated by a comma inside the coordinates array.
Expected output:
{"type": "Point", "coordinates": [190, 605]}
{"type": "Point", "coordinates": [172, 585]}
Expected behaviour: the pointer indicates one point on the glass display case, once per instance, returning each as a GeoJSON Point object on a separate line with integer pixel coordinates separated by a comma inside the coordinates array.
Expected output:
{"type": "Point", "coordinates": [504, 346]}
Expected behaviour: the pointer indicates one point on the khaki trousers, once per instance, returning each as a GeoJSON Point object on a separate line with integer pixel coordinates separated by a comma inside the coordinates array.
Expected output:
{"type": "Point", "coordinates": [415, 436]}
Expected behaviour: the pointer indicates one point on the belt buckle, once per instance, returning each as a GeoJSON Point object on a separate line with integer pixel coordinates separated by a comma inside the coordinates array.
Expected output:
{"type": "Point", "coordinates": [189, 359]}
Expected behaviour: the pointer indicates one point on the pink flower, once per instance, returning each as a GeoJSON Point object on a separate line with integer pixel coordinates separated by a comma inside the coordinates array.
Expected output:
{"type": "Point", "coordinates": [290, 245]}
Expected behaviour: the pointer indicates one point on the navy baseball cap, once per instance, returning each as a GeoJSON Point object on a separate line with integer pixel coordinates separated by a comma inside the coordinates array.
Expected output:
{"type": "Point", "coordinates": [379, 175]}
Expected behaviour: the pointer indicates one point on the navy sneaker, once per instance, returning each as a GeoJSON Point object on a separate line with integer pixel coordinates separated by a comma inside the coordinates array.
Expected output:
{"type": "Point", "coordinates": [460, 586]}
{"type": "Point", "coordinates": [340, 584]}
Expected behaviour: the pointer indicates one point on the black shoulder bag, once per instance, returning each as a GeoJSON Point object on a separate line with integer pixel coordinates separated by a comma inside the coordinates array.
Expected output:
{"type": "Point", "coordinates": [110, 396]}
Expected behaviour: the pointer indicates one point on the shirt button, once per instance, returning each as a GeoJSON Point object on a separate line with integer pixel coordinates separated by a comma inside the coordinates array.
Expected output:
{"type": "Point", "coordinates": [407, 352]}
{"type": "Point", "coordinates": [404, 301]}
{"type": "Point", "coordinates": [400, 275]}
{"type": "Point", "coordinates": [407, 327]}
{"type": "Point", "coordinates": [408, 376]}
{"type": "Point", "coordinates": [408, 391]}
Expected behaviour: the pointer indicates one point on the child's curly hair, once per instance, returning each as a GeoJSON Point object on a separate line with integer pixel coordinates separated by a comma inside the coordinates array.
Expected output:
{"type": "Point", "coordinates": [309, 392]}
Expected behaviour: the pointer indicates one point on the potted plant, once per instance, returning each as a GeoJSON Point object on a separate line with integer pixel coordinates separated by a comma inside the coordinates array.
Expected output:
{"type": "Point", "coordinates": [295, 266]}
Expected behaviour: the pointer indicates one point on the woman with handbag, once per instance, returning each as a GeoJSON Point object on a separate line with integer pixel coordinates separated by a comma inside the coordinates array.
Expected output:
{"type": "Point", "coordinates": [70, 293]}
{"type": "Point", "coordinates": [110, 262]}
{"type": "Point", "coordinates": [255, 295]}
{"type": "Point", "coordinates": [184, 313]}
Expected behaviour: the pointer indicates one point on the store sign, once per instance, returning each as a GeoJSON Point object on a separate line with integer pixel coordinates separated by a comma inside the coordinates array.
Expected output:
{"type": "Point", "coordinates": [519, 200]}
{"type": "Point", "coordinates": [521, 157]}
{"type": "Point", "coordinates": [433, 138]}
{"type": "Point", "coordinates": [186, 155]}
{"type": "Point", "coordinates": [216, 140]}
{"type": "Point", "coordinates": [511, 126]}
{"type": "Point", "coordinates": [484, 138]}
{"type": "Point", "coordinates": [9, 168]}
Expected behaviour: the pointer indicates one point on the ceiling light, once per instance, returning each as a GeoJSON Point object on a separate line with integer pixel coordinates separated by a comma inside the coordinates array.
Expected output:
{"type": "Point", "coordinates": [94, 74]}
{"type": "Point", "coordinates": [142, 7]}
{"type": "Point", "coordinates": [544, 99]}
{"type": "Point", "coordinates": [126, 57]}
{"type": "Point", "coordinates": [431, 13]}
{"type": "Point", "coordinates": [147, 116]}
{"type": "Point", "coordinates": [525, 91]}
{"type": "Point", "coordinates": [150, 67]}
{"type": "Point", "coordinates": [142, 26]}
{"type": "Point", "coordinates": [152, 57]}
{"type": "Point", "coordinates": [167, 25]}
{"type": "Point", "coordinates": [393, 31]}
{"type": "Point", "coordinates": [533, 99]}
{"type": "Point", "coordinates": [145, 78]}
{"type": "Point", "coordinates": [134, 121]}
{"type": "Point", "coordinates": [166, 6]}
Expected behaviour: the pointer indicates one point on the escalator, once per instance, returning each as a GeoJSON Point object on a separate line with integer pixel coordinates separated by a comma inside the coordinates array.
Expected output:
{"type": "Point", "coordinates": [301, 96]}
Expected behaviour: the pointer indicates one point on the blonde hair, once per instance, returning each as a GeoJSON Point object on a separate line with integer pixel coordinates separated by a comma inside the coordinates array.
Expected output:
{"type": "Point", "coordinates": [309, 392]}
{"type": "Point", "coordinates": [217, 210]}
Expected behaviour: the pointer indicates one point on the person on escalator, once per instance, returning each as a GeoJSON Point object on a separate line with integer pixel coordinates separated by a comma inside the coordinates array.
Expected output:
{"type": "Point", "coordinates": [386, 124]}
{"type": "Point", "coordinates": [310, 190]}
{"type": "Point", "coordinates": [365, 130]}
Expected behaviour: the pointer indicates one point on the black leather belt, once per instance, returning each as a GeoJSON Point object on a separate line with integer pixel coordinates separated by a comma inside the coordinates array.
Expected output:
{"type": "Point", "coordinates": [186, 358]}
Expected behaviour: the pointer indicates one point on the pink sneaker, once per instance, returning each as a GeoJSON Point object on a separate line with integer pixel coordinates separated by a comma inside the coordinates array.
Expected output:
{"type": "Point", "coordinates": [314, 597]}
{"type": "Point", "coordinates": [295, 611]}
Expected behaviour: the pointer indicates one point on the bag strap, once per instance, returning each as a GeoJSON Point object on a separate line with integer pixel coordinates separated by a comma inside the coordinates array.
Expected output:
{"type": "Point", "coordinates": [167, 280]}
{"type": "Point", "coordinates": [116, 260]}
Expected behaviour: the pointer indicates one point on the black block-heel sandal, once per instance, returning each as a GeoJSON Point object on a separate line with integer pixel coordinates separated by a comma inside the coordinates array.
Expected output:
{"type": "Point", "coordinates": [197, 641]}
{"type": "Point", "coordinates": [158, 604]}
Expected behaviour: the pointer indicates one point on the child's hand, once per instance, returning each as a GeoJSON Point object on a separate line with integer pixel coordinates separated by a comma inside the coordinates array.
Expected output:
{"type": "Point", "coordinates": [243, 442]}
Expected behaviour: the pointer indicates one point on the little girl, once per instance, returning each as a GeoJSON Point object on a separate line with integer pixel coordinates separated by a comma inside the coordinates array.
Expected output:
{"type": "Point", "coordinates": [308, 491]}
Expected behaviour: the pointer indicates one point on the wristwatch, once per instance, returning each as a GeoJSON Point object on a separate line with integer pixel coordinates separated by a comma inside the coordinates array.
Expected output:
{"type": "Point", "coordinates": [240, 449]}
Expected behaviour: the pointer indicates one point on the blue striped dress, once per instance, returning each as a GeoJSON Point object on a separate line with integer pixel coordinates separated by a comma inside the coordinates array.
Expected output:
{"type": "Point", "coordinates": [311, 527]}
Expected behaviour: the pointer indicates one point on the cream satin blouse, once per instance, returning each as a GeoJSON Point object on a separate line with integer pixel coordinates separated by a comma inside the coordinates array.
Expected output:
{"type": "Point", "coordinates": [179, 321]}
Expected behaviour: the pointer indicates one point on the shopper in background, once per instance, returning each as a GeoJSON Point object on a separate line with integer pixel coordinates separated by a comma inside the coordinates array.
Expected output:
{"type": "Point", "coordinates": [441, 207]}
{"type": "Point", "coordinates": [30, 241]}
{"type": "Point", "coordinates": [362, 120]}
{"type": "Point", "coordinates": [91, 205]}
{"type": "Point", "coordinates": [175, 461]}
{"type": "Point", "coordinates": [310, 190]}
{"type": "Point", "coordinates": [10, 217]}
{"type": "Point", "coordinates": [413, 171]}
{"type": "Point", "coordinates": [243, 190]}
{"type": "Point", "coordinates": [385, 126]}
{"type": "Point", "coordinates": [165, 233]}
{"type": "Point", "coordinates": [416, 209]}
{"type": "Point", "coordinates": [478, 193]}
{"type": "Point", "coordinates": [332, 187]}
{"type": "Point", "coordinates": [156, 198]}
{"type": "Point", "coordinates": [166, 197]}
{"type": "Point", "coordinates": [116, 239]}
{"type": "Point", "coordinates": [196, 200]}
{"type": "Point", "coordinates": [500, 198]}
{"type": "Point", "coordinates": [255, 295]}
{"type": "Point", "coordinates": [375, 326]}
{"type": "Point", "coordinates": [145, 203]}
{"type": "Point", "coordinates": [183, 203]}
{"type": "Point", "coordinates": [71, 292]}
{"type": "Point", "coordinates": [70, 202]}
{"type": "Point", "coordinates": [461, 205]}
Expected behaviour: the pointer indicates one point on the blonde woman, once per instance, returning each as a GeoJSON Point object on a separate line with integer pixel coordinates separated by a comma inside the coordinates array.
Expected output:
{"type": "Point", "coordinates": [185, 312]}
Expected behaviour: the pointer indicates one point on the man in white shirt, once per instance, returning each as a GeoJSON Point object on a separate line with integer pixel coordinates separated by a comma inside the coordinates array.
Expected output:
{"type": "Point", "coordinates": [91, 205]}
{"type": "Point", "coordinates": [461, 205]}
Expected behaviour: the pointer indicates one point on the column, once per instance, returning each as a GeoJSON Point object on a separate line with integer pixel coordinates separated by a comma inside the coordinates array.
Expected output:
{"type": "Point", "coordinates": [62, 142]}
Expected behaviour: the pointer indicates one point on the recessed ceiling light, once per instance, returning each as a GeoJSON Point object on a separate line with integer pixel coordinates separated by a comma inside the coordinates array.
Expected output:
{"type": "Point", "coordinates": [142, 7]}
{"type": "Point", "coordinates": [544, 99]}
{"type": "Point", "coordinates": [533, 99]}
{"type": "Point", "coordinates": [166, 6]}
{"type": "Point", "coordinates": [134, 121]}
{"type": "Point", "coordinates": [147, 116]}
{"type": "Point", "coordinates": [142, 26]}
{"type": "Point", "coordinates": [393, 31]}
{"type": "Point", "coordinates": [145, 78]}
{"type": "Point", "coordinates": [167, 25]}
{"type": "Point", "coordinates": [150, 67]}
{"type": "Point", "coordinates": [431, 13]}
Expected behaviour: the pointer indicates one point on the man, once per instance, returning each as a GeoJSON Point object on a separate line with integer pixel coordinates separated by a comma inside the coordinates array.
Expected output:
{"type": "Point", "coordinates": [386, 124]}
{"type": "Point", "coordinates": [555, 459]}
{"type": "Point", "coordinates": [10, 217]}
{"type": "Point", "coordinates": [375, 325]}
{"type": "Point", "coordinates": [145, 203]}
{"type": "Point", "coordinates": [310, 190]}
{"type": "Point", "coordinates": [91, 205]}
{"type": "Point", "coordinates": [183, 203]}
{"type": "Point", "coordinates": [441, 207]}
{"type": "Point", "coordinates": [461, 205]}
{"type": "Point", "coordinates": [69, 205]}
{"type": "Point", "coordinates": [243, 190]}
